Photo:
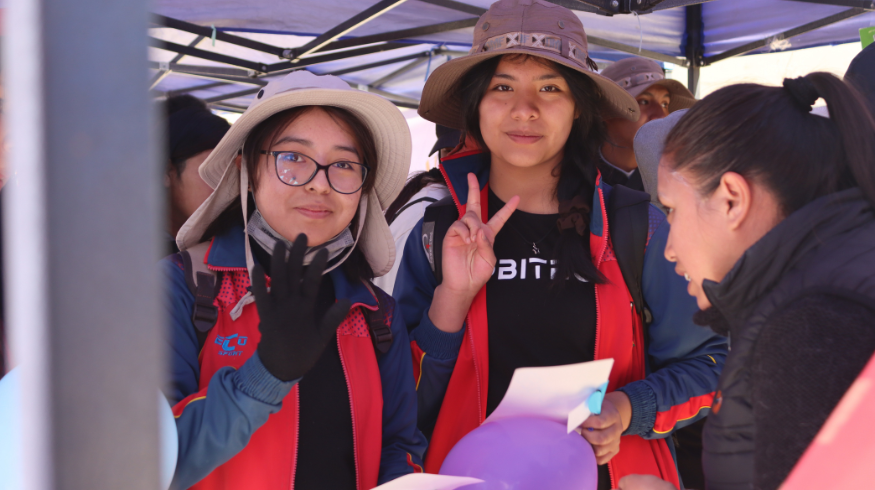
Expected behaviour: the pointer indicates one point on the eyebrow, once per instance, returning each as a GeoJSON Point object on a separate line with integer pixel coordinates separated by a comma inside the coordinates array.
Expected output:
{"type": "Point", "coordinates": [547, 76]}
{"type": "Point", "coordinates": [650, 94]}
{"type": "Point", "coordinates": [306, 142]}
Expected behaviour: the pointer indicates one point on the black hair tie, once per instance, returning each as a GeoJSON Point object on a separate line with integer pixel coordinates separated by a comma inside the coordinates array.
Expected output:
{"type": "Point", "coordinates": [803, 91]}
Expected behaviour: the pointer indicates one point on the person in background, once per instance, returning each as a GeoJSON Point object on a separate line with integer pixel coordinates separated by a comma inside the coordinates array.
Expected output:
{"type": "Point", "coordinates": [657, 97]}
{"type": "Point", "coordinates": [772, 213]}
{"type": "Point", "coordinates": [192, 133]}
{"type": "Point", "coordinates": [861, 74]}
{"type": "Point", "coordinates": [422, 189]}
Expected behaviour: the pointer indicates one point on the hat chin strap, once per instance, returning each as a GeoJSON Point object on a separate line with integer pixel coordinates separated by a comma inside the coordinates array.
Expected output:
{"type": "Point", "coordinates": [244, 203]}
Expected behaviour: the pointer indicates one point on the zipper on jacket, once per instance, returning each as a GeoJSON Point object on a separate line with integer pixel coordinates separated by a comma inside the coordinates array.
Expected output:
{"type": "Point", "coordinates": [598, 315]}
{"type": "Point", "coordinates": [480, 411]}
{"type": "Point", "coordinates": [297, 432]}
{"type": "Point", "coordinates": [355, 449]}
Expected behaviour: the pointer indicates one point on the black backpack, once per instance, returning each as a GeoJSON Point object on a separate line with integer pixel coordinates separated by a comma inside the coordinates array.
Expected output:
{"type": "Point", "coordinates": [628, 213]}
{"type": "Point", "coordinates": [204, 284]}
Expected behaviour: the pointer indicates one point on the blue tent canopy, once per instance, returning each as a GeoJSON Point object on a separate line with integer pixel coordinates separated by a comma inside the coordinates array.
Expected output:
{"type": "Point", "coordinates": [224, 50]}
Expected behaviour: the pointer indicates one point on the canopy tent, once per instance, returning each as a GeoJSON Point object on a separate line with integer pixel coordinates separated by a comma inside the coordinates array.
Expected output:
{"type": "Point", "coordinates": [224, 51]}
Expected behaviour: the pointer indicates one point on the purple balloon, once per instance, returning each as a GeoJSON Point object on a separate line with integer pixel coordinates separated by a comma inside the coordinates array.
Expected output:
{"type": "Point", "coordinates": [524, 454]}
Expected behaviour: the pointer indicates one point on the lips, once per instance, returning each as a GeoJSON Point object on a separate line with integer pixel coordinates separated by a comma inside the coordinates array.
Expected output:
{"type": "Point", "coordinates": [524, 138]}
{"type": "Point", "coordinates": [314, 212]}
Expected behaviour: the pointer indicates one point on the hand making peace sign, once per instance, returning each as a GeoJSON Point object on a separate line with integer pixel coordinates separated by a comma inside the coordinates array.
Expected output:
{"type": "Point", "coordinates": [468, 258]}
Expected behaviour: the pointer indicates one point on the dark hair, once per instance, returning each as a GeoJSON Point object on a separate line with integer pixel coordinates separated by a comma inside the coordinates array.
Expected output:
{"type": "Point", "coordinates": [191, 129]}
{"type": "Point", "coordinates": [861, 74]}
{"type": "Point", "coordinates": [577, 172]}
{"type": "Point", "coordinates": [356, 266]}
{"type": "Point", "coordinates": [414, 184]}
{"type": "Point", "coordinates": [767, 134]}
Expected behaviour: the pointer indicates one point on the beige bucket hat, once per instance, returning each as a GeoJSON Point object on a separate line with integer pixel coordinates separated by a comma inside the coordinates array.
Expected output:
{"type": "Point", "coordinates": [637, 74]}
{"type": "Point", "coordinates": [533, 27]}
{"type": "Point", "coordinates": [302, 88]}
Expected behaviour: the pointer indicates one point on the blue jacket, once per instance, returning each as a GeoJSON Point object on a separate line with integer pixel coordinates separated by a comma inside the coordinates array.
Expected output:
{"type": "Point", "coordinates": [683, 360]}
{"type": "Point", "coordinates": [218, 412]}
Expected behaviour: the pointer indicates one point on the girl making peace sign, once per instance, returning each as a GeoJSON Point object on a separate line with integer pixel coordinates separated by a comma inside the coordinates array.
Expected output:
{"type": "Point", "coordinates": [529, 273]}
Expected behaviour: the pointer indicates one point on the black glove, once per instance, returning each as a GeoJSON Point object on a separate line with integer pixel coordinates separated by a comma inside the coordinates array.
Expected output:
{"type": "Point", "coordinates": [292, 338]}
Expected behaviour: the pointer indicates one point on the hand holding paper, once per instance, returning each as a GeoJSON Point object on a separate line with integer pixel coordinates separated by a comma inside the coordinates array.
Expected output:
{"type": "Point", "coordinates": [603, 430]}
{"type": "Point", "coordinates": [559, 393]}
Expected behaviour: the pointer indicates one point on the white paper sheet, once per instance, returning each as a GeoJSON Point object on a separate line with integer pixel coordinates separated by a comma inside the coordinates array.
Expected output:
{"type": "Point", "coordinates": [557, 393]}
{"type": "Point", "coordinates": [425, 481]}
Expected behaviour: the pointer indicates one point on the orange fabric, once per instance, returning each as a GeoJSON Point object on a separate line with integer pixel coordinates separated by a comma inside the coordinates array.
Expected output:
{"type": "Point", "coordinates": [665, 421]}
{"type": "Point", "coordinates": [366, 399]}
{"type": "Point", "coordinates": [418, 354]}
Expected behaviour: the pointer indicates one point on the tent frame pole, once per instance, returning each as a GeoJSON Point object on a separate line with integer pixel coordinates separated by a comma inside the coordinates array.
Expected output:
{"type": "Point", "coordinates": [369, 14]}
{"type": "Point", "coordinates": [81, 237]}
{"type": "Point", "coordinates": [695, 45]}
{"type": "Point", "coordinates": [811, 26]}
{"type": "Point", "coordinates": [861, 4]}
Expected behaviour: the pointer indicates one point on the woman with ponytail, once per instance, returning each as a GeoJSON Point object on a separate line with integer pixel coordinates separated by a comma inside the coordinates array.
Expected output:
{"type": "Point", "coordinates": [527, 274]}
{"type": "Point", "coordinates": [772, 213]}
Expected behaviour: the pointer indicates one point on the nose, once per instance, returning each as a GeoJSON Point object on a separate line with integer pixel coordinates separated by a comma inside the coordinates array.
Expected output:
{"type": "Point", "coordinates": [669, 248]}
{"type": "Point", "coordinates": [319, 184]}
{"type": "Point", "coordinates": [524, 107]}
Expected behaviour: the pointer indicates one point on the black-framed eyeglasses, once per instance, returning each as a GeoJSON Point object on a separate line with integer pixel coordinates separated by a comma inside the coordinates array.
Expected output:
{"type": "Point", "coordinates": [296, 169]}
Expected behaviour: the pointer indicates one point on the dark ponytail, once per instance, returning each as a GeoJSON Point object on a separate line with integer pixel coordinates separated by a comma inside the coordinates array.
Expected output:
{"type": "Point", "coordinates": [768, 134]}
{"type": "Point", "coordinates": [577, 172]}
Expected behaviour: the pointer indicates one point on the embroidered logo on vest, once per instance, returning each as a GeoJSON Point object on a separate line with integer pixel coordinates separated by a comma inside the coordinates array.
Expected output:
{"type": "Point", "coordinates": [227, 348]}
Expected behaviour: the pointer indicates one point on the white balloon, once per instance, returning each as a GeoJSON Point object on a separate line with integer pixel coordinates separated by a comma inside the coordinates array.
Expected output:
{"type": "Point", "coordinates": [11, 437]}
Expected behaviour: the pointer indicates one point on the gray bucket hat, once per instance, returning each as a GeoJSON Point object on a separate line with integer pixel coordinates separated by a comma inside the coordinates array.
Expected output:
{"type": "Point", "coordinates": [302, 88]}
{"type": "Point", "coordinates": [648, 144]}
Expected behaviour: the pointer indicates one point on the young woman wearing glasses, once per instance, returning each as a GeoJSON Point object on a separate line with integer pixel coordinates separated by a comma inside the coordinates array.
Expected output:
{"type": "Point", "coordinates": [299, 377]}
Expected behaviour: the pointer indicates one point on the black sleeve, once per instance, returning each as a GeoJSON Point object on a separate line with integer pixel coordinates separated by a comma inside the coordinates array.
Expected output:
{"type": "Point", "coordinates": [807, 356]}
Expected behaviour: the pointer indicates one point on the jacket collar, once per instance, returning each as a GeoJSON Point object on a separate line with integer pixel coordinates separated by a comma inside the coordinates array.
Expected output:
{"type": "Point", "coordinates": [457, 167]}
{"type": "Point", "coordinates": [227, 252]}
{"type": "Point", "coordinates": [763, 265]}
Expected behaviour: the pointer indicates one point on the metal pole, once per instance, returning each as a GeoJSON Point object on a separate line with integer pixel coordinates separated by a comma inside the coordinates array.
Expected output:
{"type": "Point", "coordinates": [81, 238]}
{"type": "Point", "coordinates": [694, 45]}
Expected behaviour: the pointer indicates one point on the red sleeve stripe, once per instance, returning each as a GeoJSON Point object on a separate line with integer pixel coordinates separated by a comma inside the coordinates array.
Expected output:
{"type": "Point", "coordinates": [418, 356]}
{"type": "Point", "coordinates": [416, 467]}
{"type": "Point", "coordinates": [180, 407]}
{"type": "Point", "coordinates": [666, 421]}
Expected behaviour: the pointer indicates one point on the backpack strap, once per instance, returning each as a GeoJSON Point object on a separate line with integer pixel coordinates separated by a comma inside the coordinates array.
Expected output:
{"type": "Point", "coordinates": [391, 219]}
{"type": "Point", "coordinates": [203, 284]}
{"type": "Point", "coordinates": [380, 321]}
{"type": "Point", "coordinates": [435, 223]}
{"type": "Point", "coordinates": [628, 215]}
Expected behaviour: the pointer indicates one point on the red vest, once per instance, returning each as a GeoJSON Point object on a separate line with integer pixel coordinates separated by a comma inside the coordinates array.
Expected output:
{"type": "Point", "coordinates": [619, 335]}
{"type": "Point", "coordinates": [268, 461]}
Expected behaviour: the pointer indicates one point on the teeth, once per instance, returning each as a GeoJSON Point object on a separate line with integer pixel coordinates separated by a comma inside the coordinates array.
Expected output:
{"type": "Point", "coordinates": [687, 277]}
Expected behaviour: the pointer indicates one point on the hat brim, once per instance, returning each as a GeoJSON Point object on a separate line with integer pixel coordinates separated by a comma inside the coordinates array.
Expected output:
{"type": "Point", "coordinates": [681, 97]}
{"type": "Point", "coordinates": [441, 106]}
{"type": "Point", "coordinates": [391, 138]}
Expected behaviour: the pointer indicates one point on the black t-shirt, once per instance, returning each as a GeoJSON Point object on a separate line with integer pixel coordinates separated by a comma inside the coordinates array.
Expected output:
{"type": "Point", "coordinates": [532, 323]}
{"type": "Point", "coordinates": [326, 458]}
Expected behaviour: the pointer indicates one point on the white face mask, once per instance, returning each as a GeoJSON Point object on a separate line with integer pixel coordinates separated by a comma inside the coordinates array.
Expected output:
{"type": "Point", "coordinates": [267, 238]}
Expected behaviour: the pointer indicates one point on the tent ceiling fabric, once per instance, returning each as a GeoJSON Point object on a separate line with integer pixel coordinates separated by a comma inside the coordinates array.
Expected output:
{"type": "Point", "coordinates": [728, 24]}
